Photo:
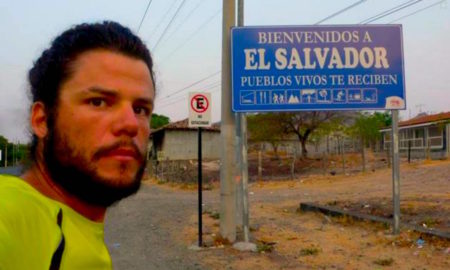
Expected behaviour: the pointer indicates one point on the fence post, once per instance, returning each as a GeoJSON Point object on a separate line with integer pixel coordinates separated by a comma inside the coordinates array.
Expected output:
{"type": "Point", "coordinates": [388, 155]}
{"type": "Point", "coordinates": [294, 158]}
{"type": "Point", "coordinates": [260, 163]}
{"type": "Point", "coordinates": [409, 151]}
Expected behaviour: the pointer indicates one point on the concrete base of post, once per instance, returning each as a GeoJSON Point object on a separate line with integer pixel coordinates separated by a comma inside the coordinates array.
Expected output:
{"type": "Point", "coordinates": [245, 246]}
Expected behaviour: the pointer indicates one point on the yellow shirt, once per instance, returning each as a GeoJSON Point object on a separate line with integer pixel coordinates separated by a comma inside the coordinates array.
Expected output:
{"type": "Point", "coordinates": [31, 238]}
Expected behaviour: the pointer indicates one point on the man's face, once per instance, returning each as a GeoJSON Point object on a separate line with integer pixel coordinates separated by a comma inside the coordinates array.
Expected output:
{"type": "Point", "coordinates": [97, 145]}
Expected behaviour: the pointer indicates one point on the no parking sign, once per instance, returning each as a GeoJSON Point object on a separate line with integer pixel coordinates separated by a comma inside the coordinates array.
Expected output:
{"type": "Point", "coordinates": [199, 109]}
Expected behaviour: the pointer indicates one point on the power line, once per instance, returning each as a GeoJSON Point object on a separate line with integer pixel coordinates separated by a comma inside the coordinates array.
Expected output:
{"type": "Point", "coordinates": [168, 102]}
{"type": "Point", "coordinates": [192, 35]}
{"type": "Point", "coordinates": [340, 11]}
{"type": "Point", "coordinates": [145, 14]}
{"type": "Point", "coordinates": [168, 25]}
{"type": "Point", "coordinates": [163, 18]}
{"type": "Point", "coordinates": [194, 83]}
{"type": "Point", "coordinates": [203, 88]}
{"type": "Point", "coordinates": [417, 11]}
{"type": "Point", "coordinates": [178, 100]}
{"type": "Point", "coordinates": [182, 44]}
{"type": "Point", "coordinates": [386, 11]}
{"type": "Point", "coordinates": [185, 18]}
{"type": "Point", "coordinates": [390, 11]}
{"type": "Point", "coordinates": [182, 98]}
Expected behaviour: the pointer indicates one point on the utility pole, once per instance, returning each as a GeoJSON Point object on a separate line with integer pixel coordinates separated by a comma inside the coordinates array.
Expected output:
{"type": "Point", "coordinates": [227, 131]}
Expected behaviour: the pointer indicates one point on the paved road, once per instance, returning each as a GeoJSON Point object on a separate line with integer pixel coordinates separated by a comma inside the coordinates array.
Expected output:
{"type": "Point", "coordinates": [140, 231]}
{"type": "Point", "coordinates": [17, 170]}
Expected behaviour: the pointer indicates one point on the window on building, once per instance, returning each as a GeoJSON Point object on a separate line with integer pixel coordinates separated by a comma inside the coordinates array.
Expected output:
{"type": "Point", "coordinates": [419, 133]}
{"type": "Point", "coordinates": [435, 137]}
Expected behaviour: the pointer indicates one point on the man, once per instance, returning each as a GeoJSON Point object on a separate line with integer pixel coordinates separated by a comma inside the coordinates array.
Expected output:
{"type": "Point", "coordinates": [92, 92]}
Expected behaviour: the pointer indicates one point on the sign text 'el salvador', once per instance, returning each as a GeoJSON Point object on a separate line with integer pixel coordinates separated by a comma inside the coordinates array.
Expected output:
{"type": "Point", "coordinates": [296, 68]}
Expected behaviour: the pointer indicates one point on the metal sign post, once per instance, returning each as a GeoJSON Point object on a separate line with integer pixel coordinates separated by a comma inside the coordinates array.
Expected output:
{"type": "Point", "coordinates": [395, 172]}
{"type": "Point", "coordinates": [200, 185]}
{"type": "Point", "coordinates": [244, 172]}
{"type": "Point", "coordinates": [200, 116]}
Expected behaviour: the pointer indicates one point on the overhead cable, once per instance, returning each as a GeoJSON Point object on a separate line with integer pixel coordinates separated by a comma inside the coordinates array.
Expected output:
{"type": "Point", "coordinates": [390, 11]}
{"type": "Point", "coordinates": [192, 84]}
{"type": "Point", "coordinates": [340, 11]}
{"type": "Point", "coordinates": [417, 11]}
{"type": "Point", "coordinates": [185, 19]}
{"type": "Point", "coordinates": [163, 19]}
{"type": "Point", "coordinates": [203, 88]}
{"type": "Point", "coordinates": [143, 17]}
{"type": "Point", "coordinates": [169, 24]}
{"type": "Point", "coordinates": [192, 35]}
{"type": "Point", "coordinates": [182, 98]}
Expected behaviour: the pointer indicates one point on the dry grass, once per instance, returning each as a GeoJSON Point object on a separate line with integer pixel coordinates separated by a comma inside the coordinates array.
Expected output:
{"type": "Point", "coordinates": [299, 240]}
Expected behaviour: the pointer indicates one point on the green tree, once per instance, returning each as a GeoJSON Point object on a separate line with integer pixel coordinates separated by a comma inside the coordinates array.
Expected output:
{"type": "Point", "coordinates": [336, 125]}
{"type": "Point", "coordinates": [367, 129]}
{"type": "Point", "coordinates": [384, 119]}
{"type": "Point", "coordinates": [303, 124]}
{"type": "Point", "coordinates": [266, 127]}
{"type": "Point", "coordinates": [12, 153]}
{"type": "Point", "coordinates": [159, 120]}
{"type": "Point", "coordinates": [3, 144]}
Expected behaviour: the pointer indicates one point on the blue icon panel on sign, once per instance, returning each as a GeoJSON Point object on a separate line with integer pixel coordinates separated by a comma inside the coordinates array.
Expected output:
{"type": "Point", "coordinates": [293, 97]}
{"type": "Point", "coordinates": [309, 95]}
{"type": "Point", "coordinates": [339, 96]}
{"type": "Point", "coordinates": [324, 96]}
{"type": "Point", "coordinates": [248, 97]}
{"type": "Point", "coordinates": [354, 95]}
{"type": "Point", "coordinates": [262, 97]}
{"type": "Point", "coordinates": [279, 97]}
{"type": "Point", "coordinates": [370, 95]}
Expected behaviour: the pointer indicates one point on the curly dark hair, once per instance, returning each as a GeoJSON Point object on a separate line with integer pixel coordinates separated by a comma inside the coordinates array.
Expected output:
{"type": "Point", "coordinates": [52, 68]}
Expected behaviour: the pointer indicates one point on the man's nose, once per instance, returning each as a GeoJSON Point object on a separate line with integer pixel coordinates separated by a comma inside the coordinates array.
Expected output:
{"type": "Point", "coordinates": [126, 122]}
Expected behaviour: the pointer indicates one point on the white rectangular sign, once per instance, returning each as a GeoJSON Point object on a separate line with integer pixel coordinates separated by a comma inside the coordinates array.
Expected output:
{"type": "Point", "coordinates": [199, 109]}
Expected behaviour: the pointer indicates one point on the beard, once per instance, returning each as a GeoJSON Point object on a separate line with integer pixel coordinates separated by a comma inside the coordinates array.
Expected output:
{"type": "Point", "coordinates": [76, 174]}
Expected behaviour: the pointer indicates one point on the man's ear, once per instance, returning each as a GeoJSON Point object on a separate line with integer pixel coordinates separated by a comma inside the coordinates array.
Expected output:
{"type": "Point", "coordinates": [39, 120]}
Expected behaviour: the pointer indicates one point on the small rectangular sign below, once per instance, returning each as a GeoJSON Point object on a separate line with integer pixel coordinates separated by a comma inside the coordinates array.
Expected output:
{"type": "Point", "coordinates": [307, 68]}
{"type": "Point", "coordinates": [199, 109]}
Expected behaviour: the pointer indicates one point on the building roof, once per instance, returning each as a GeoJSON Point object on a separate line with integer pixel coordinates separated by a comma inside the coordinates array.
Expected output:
{"type": "Point", "coordinates": [183, 125]}
{"type": "Point", "coordinates": [422, 119]}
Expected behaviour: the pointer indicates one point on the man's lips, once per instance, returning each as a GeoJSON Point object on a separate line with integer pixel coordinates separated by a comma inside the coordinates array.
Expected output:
{"type": "Point", "coordinates": [122, 154]}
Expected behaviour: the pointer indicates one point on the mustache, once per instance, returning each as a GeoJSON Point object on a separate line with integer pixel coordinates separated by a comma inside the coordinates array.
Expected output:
{"type": "Point", "coordinates": [105, 150]}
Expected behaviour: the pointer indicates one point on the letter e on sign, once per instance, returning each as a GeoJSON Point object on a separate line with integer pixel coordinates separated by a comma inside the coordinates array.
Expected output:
{"type": "Point", "coordinates": [199, 109]}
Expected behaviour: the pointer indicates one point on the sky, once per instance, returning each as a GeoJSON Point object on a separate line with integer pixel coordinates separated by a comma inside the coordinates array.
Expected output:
{"type": "Point", "coordinates": [184, 37]}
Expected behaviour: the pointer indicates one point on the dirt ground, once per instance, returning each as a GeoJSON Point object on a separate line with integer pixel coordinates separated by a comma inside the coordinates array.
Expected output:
{"type": "Point", "coordinates": [290, 239]}
{"type": "Point", "coordinates": [155, 228]}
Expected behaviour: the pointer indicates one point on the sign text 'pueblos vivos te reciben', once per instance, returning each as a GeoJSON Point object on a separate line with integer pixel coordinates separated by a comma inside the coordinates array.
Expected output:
{"type": "Point", "coordinates": [304, 68]}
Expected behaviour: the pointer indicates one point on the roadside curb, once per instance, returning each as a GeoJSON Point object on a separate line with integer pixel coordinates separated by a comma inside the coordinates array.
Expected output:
{"type": "Point", "coordinates": [334, 211]}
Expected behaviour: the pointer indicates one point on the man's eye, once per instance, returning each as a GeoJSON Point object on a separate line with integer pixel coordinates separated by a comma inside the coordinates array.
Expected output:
{"type": "Point", "coordinates": [97, 102]}
{"type": "Point", "coordinates": [141, 111]}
